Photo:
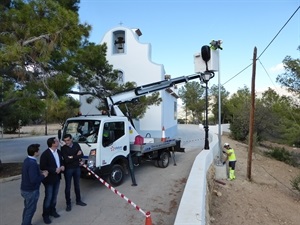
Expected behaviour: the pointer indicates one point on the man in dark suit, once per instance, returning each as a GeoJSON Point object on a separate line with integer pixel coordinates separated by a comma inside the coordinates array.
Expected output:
{"type": "Point", "coordinates": [51, 160]}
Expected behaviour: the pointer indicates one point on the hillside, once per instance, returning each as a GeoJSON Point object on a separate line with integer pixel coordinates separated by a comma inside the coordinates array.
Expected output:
{"type": "Point", "coordinates": [267, 199]}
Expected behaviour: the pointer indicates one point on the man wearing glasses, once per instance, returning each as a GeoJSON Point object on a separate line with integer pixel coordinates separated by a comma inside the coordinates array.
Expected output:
{"type": "Point", "coordinates": [72, 155]}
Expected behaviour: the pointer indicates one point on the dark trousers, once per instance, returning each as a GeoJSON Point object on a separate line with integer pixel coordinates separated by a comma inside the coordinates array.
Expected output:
{"type": "Point", "coordinates": [30, 201]}
{"type": "Point", "coordinates": [232, 164]}
{"type": "Point", "coordinates": [75, 174]}
{"type": "Point", "coordinates": [49, 205]}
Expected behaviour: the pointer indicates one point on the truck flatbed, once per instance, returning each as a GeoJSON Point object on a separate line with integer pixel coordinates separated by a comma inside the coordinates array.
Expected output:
{"type": "Point", "coordinates": [156, 145]}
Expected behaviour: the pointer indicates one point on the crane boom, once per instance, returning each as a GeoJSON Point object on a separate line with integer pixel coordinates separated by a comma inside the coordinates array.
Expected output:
{"type": "Point", "coordinates": [129, 95]}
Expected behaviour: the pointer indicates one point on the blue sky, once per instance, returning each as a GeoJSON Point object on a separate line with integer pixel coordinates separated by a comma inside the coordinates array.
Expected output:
{"type": "Point", "coordinates": [177, 30]}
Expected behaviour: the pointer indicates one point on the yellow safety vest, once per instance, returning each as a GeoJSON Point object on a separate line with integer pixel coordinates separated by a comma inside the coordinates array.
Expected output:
{"type": "Point", "coordinates": [232, 156]}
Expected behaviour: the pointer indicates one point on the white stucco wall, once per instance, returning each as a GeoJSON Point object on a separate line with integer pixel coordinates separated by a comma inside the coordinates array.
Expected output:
{"type": "Point", "coordinates": [137, 66]}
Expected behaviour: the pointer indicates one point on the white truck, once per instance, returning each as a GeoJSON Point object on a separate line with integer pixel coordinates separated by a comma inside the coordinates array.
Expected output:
{"type": "Point", "coordinates": [111, 142]}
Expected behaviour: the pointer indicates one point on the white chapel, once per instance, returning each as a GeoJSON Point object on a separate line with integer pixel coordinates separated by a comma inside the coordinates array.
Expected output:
{"type": "Point", "coordinates": [133, 61]}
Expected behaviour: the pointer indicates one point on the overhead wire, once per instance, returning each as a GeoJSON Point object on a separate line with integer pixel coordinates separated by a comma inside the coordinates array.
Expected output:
{"type": "Point", "coordinates": [238, 73]}
{"type": "Point", "coordinates": [288, 109]}
{"type": "Point", "coordinates": [279, 32]}
{"type": "Point", "coordinates": [265, 47]}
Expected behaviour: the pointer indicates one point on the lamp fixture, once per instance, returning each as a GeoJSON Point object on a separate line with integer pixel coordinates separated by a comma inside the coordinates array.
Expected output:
{"type": "Point", "coordinates": [207, 75]}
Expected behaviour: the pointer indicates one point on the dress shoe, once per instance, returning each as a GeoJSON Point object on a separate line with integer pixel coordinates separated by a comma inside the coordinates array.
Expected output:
{"type": "Point", "coordinates": [47, 220]}
{"type": "Point", "coordinates": [81, 203]}
{"type": "Point", "coordinates": [55, 215]}
{"type": "Point", "coordinates": [68, 209]}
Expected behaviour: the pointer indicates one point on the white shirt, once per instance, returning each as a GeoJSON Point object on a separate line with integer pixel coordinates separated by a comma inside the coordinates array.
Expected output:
{"type": "Point", "coordinates": [56, 157]}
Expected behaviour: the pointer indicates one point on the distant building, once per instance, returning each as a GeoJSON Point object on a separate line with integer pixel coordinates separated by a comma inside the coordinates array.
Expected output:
{"type": "Point", "coordinates": [133, 61]}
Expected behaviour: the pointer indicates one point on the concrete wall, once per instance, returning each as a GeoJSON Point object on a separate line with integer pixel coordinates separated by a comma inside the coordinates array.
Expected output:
{"type": "Point", "coordinates": [194, 205]}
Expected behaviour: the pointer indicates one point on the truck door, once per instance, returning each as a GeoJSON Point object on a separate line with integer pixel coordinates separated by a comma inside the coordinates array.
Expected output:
{"type": "Point", "coordinates": [114, 141]}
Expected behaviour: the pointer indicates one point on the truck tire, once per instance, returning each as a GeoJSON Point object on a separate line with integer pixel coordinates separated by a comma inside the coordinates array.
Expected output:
{"type": "Point", "coordinates": [116, 175]}
{"type": "Point", "coordinates": [163, 160]}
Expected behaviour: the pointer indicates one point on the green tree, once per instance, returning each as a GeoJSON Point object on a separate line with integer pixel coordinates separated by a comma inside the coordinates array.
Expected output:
{"type": "Point", "coordinates": [276, 119]}
{"type": "Point", "coordinates": [268, 118]}
{"type": "Point", "coordinates": [215, 107]}
{"type": "Point", "coordinates": [37, 40]}
{"type": "Point", "coordinates": [291, 77]}
{"type": "Point", "coordinates": [37, 37]}
{"type": "Point", "coordinates": [291, 80]}
{"type": "Point", "coordinates": [44, 52]}
{"type": "Point", "coordinates": [238, 108]}
{"type": "Point", "coordinates": [283, 118]}
{"type": "Point", "coordinates": [192, 97]}
{"type": "Point", "coordinates": [59, 111]}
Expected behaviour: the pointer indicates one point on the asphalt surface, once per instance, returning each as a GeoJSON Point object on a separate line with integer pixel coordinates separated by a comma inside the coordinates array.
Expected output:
{"type": "Point", "coordinates": [15, 149]}
{"type": "Point", "coordinates": [159, 191]}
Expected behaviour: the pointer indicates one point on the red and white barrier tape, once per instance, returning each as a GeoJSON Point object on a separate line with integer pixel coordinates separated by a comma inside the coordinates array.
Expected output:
{"type": "Point", "coordinates": [117, 192]}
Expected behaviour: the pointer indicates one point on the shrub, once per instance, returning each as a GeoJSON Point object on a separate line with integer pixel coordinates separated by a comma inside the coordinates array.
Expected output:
{"type": "Point", "coordinates": [281, 154]}
{"type": "Point", "coordinates": [295, 182]}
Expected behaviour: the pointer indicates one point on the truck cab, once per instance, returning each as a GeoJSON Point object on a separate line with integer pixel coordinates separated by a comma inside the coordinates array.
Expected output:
{"type": "Point", "coordinates": [105, 142]}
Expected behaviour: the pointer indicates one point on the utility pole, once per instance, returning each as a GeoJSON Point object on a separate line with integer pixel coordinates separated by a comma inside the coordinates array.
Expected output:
{"type": "Point", "coordinates": [252, 110]}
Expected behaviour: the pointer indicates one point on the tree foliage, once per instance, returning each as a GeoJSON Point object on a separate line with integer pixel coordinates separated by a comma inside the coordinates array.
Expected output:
{"type": "Point", "coordinates": [238, 108]}
{"type": "Point", "coordinates": [291, 77]}
{"type": "Point", "coordinates": [192, 97]}
{"type": "Point", "coordinates": [36, 40]}
{"type": "Point", "coordinates": [215, 106]}
{"type": "Point", "coordinates": [59, 111]}
{"type": "Point", "coordinates": [44, 52]}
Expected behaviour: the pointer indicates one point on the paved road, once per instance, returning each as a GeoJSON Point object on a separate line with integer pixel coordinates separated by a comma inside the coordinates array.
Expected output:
{"type": "Point", "coordinates": [158, 191]}
{"type": "Point", "coordinates": [15, 149]}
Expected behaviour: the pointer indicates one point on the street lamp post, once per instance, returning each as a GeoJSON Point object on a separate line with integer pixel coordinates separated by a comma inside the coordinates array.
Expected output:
{"type": "Point", "coordinates": [205, 64]}
{"type": "Point", "coordinates": [206, 76]}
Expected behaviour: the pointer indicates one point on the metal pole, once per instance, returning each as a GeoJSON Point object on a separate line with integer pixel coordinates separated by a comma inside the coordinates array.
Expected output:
{"type": "Point", "coordinates": [206, 142]}
{"type": "Point", "coordinates": [219, 108]}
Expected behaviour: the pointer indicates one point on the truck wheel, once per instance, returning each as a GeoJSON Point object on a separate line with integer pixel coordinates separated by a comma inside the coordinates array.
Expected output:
{"type": "Point", "coordinates": [163, 160]}
{"type": "Point", "coordinates": [116, 175]}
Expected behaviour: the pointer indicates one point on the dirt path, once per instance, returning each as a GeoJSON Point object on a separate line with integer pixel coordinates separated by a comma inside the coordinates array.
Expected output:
{"type": "Point", "coordinates": [267, 199]}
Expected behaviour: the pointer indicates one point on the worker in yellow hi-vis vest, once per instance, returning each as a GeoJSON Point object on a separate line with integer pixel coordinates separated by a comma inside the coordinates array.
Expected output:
{"type": "Point", "coordinates": [230, 156]}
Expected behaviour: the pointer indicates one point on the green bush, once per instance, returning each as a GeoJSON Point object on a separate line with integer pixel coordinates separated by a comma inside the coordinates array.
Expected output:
{"type": "Point", "coordinates": [281, 154]}
{"type": "Point", "coordinates": [295, 182]}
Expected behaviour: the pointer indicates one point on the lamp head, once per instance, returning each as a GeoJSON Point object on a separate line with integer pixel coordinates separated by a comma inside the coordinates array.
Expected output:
{"type": "Point", "coordinates": [205, 53]}
{"type": "Point", "coordinates": [207, 75]}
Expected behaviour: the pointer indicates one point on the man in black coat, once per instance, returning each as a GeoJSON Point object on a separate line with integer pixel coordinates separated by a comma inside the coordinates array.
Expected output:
{"type": "Point", "coordinates": [51, 160]}
{"type": "Point", "coordinates": [72, 155]}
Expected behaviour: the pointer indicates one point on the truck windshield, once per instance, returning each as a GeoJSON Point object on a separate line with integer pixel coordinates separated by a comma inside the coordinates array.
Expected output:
{"type": "Point", "coordinates": [83, 131]}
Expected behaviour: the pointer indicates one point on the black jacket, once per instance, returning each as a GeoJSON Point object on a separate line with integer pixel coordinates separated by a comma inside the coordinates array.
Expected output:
{"type": "Point", "coordinates": [47, 162]}
{"type": "Point", "coordinates": [73, 161]}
